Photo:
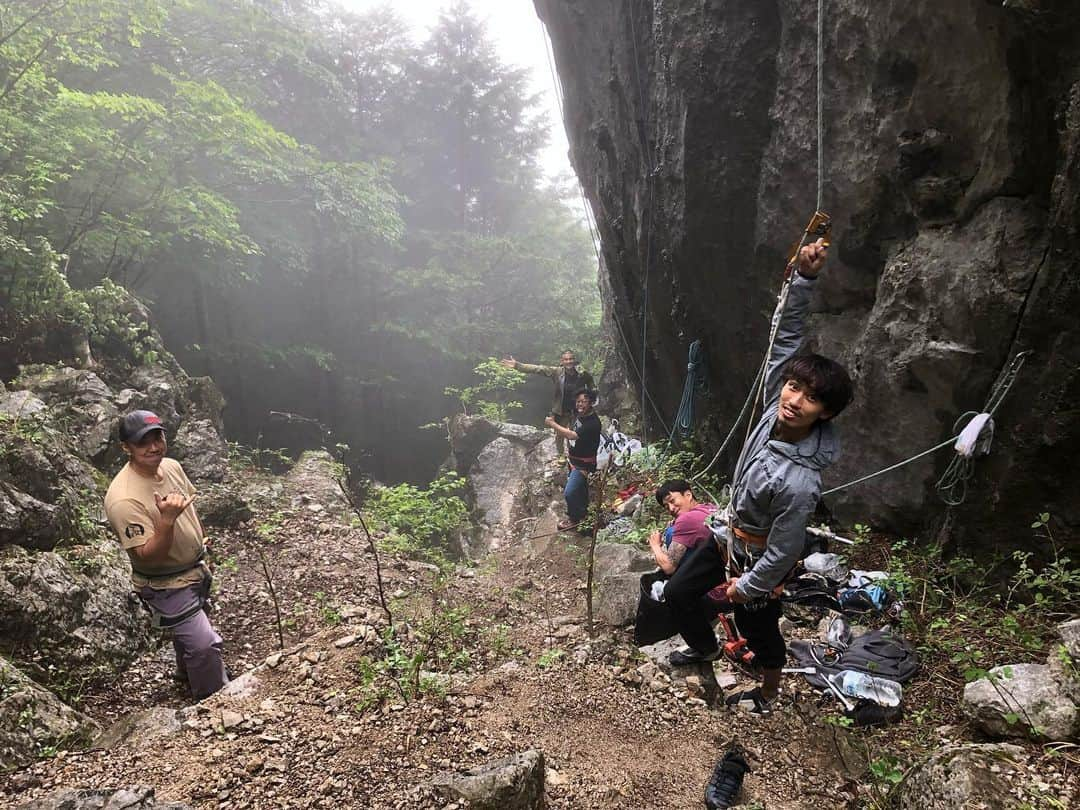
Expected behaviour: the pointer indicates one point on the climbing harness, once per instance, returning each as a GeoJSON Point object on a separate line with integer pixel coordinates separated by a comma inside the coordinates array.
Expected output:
{"type": "Point", "coordinates": [200, 601]}
{"type": "Point", "coordinates": [167, 573]}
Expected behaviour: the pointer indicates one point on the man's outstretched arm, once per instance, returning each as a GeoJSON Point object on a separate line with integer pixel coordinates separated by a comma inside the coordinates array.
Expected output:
{"type": "Point", "coordinates": [789, 335]}
{"type": "Point", "coordinates": [529, 368]}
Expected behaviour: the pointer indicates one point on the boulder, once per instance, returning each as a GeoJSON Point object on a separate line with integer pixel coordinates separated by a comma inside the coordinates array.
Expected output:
{"type": "Point", "coordinates": [621, 558]}
{"type": "Point", "coordinates": [34, 720]}
{"type": "Point", "coordinates": [512, 783]}
{"type": "Point", "coordinates": [1064, 659]}
{"type": "Point", "coordinates": [71, 611]}
{"type": "Point", "coordinates": [80, 401]}
{"type": "Point", "coordinates": [615, 598]}
{"type": "Point", "coordinates": [64, 386]}
{"type": "Point", "coordinates": [222, 505]}
{"type": "Point", "coordinates": [505, 466]}
{"type": "Point", "coordinates": [202, 451]}
{"type": "Point", "coordinates": [158, 387]}
{"type": "Point", "coordinates": [129, 798]}
{"type": "Point", "coordinates": [495, 478]}
{"type": "Point", "coordinates": [699, 679]}
{"type": "Point", "coordinates": [141, 729]}
{"type": "Point", "coordinates": [617, 581]}
{"type": "Point", "coordinates": [21, 405]}
{"type": "Point", "coordinates": [94, 435]}
{"type": "Point", "coordinates": [314, 479]}
{"type": "Point", "coordinates": [970, 775]}
{"type": "Point", "coordinates": [1022, 700]}
{"type": "Point", "coordinates": [26, 521]}
{"type": "Point", "coordinates": [469, 435]}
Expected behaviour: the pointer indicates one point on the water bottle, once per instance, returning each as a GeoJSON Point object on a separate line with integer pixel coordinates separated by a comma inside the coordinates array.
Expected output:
{"type": "Point", "coordinates": [860, 685]}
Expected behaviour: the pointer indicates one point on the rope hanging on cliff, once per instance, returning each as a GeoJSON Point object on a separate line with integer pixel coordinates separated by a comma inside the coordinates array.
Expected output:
{"type": "Point", "coordinates": [759, 380]}
{"type": "Point", "coordinates": [650, 179]}
{"type": "Point", "coordinates": [593, 231]}
{"type": "Point", "coordinates": [695, 381]}
{"type": "Point", "coordinates": [820, 104]}
{"type": "Point", "coordinates": [820, 226]}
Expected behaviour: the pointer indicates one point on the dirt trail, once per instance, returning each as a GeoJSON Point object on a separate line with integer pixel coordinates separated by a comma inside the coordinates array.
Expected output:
{"type": "Point", "coordinates": [523, 673]}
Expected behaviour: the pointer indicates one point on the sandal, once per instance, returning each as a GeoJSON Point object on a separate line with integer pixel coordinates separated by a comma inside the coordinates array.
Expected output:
{"type": "Point", "coordinates": [752, 701]}
{"type": "Point", "coordinates": [567, 524]}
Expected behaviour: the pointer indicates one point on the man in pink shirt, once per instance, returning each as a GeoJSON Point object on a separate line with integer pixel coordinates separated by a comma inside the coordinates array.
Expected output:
{"type": "Point", "coordinates": [688, 529]}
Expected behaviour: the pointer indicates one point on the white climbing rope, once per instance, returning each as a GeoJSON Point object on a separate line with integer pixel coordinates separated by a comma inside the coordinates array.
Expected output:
{"type": "Point", "coordinates": [820, 103]}
{"type": "Point", "coordinates": [757, 387]}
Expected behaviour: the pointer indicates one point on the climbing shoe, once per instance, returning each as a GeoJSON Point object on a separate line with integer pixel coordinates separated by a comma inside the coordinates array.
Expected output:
{"type": "Point", "coordinates": [726, 779]}
{"type": "Point", "coordinates": [752, 701]}
{"type": "Point", "coordinates": [687, 656]}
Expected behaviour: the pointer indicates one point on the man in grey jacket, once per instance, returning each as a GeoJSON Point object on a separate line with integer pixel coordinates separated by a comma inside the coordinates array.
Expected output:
{"type": "Point", "coordinates": [775, 489]}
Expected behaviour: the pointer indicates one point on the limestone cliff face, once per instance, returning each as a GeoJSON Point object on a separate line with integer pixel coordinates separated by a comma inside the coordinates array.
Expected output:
{"type": "Point", "coordinates": [952, 171]}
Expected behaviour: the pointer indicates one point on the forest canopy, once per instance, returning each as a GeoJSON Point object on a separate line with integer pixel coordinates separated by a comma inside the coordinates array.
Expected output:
{"type": "Point", "coordinates": [328, 216]}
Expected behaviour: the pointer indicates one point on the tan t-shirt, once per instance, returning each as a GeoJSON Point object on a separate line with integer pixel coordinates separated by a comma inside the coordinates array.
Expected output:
{"type": "Point", "coordinates": [130, 507]}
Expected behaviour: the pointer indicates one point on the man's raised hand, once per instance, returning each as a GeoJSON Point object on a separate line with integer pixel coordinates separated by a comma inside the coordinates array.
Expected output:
{"type": "Point", "coordinates": [509, 362]}
{"type": "Point", "coordinates": [172, 505]}
{"type": "Point", "coordinates": [812, 258]}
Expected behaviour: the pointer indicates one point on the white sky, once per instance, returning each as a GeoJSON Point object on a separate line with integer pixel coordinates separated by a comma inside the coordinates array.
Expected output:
{"type": "Point", "coordinates": [520, 39]}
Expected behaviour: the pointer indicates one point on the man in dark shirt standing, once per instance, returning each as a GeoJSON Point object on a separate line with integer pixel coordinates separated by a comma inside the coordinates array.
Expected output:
{"type": "Point", "coordinates": [584, 437]}
{"type": "Point", "coordinates": [569, 378]}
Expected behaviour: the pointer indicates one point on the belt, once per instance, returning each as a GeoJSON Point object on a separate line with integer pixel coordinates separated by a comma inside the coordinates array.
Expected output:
{"type": "Point", "coordinates": [172, 572]}
{"type": "Point", "coordinates": [582, 459]}
{"type": "Point", "coordinates": [757, 540]}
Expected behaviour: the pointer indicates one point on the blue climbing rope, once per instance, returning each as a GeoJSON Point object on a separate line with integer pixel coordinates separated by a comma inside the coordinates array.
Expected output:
{"type": "Point", "coordinates": [695, 381]}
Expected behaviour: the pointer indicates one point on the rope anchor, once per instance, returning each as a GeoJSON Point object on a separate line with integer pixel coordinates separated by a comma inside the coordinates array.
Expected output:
{"type": "Point", "coordinates": [974, 440]}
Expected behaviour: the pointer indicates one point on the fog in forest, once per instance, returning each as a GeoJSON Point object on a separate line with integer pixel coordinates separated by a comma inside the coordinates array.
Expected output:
{"type": "Point", "coordinates": [336, 211]}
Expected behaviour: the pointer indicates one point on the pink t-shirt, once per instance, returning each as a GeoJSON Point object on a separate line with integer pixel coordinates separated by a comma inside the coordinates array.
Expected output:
{"type": "Point", "coordinates": [690, 530]}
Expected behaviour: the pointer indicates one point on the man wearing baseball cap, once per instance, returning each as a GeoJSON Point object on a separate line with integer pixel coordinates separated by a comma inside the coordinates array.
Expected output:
{"type": "Point", "coordinates": [150, 506]}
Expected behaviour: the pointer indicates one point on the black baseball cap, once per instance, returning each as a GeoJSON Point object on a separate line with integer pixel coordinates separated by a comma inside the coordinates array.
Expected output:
{"type": "Point", "coordinates": [135, 425]}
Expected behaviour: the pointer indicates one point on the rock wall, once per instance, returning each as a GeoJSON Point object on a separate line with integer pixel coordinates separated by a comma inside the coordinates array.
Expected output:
{"type": "Point", "coordinates": [952, 171]}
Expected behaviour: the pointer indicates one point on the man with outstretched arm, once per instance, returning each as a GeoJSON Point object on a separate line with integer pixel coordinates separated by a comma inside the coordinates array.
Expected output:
{"type": "Point", "coordinates": [150, 504]}
{"type": "Point", "coordinates": [775, 489]}
{"type": "Point", "coordinates": [584, 437]}
{"type": "Point", "coordinates": [569, 378]}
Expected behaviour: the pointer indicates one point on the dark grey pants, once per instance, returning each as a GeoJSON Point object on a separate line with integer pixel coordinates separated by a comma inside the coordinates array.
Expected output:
{"type": "Point", "coordinates": [197, 643]}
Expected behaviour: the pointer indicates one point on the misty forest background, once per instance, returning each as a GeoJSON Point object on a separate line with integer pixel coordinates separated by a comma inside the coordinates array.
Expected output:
{"type": "Point", "coordinates": [327, 216]}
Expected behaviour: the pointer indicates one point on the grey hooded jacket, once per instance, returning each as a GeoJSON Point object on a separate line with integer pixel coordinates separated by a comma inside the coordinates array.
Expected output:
{"type": "Point", "coordinates": [777, 484]}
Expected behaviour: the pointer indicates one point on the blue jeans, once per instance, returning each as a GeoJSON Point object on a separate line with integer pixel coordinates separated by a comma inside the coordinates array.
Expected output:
{"type": "Point", "coordinates": [577, 495]}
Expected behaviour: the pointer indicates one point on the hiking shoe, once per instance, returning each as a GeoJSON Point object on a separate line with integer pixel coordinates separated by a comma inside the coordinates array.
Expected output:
{"type": "Point", "coordinates": [688, 655]}
{"type": "Point", "coordinates": [752, 701]}
{"type": "Point", "coordinates": [726, 780]}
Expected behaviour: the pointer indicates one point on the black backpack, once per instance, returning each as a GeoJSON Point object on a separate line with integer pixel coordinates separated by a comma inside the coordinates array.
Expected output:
{"type": "Point", "coordinates": [881, 653]}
